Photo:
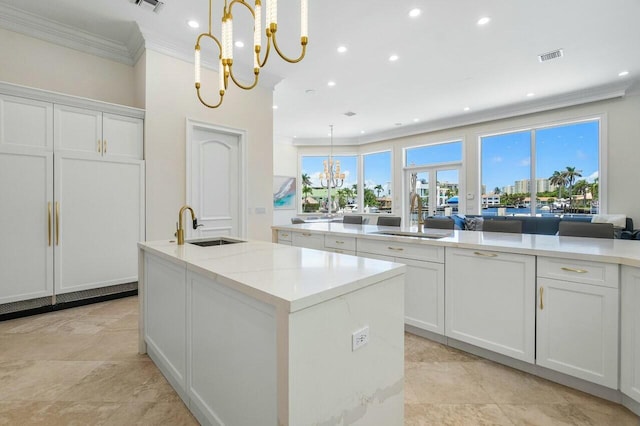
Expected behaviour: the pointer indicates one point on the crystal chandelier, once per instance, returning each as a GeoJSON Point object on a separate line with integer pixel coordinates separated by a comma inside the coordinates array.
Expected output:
{"type": "Point", "coordinates": [331, 177]}
{"type": "Point", "coordinates": [225, 45]}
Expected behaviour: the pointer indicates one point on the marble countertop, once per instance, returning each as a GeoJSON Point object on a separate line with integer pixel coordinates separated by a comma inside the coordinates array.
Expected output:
{"type": "Point", "coordinates": [290, 278]}
{"type": "Point", "coordinates": [624, 252]}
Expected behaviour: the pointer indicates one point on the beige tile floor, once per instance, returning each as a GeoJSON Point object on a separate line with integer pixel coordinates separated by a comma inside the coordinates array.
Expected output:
{"type": "Point", "coordinates": [81, 367]}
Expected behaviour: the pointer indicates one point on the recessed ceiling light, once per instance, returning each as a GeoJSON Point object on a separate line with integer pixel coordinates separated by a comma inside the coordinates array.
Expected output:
{"type": "Point", "coordinates": [393, 58]}
{"type": "Point", "coordinates": [466, 109]}
{"type": "Point", "coordinates": [530, 94]}
{"type": "Point", "coordinates": [331, 83]}
{"type": "Point", "coordinates": [415, 120]}
{"type": "Point", "coordinates": [193, 24]}
{"type": "Point", "coordinates": [275, 107]}
{"type": "Point", "coordinates": [414, 13]}
{"type": "Point", "coordinates": [239, 43]}
{"type": "Point", "coordinates": [342, 49]}
{"type": "Point", "coordinates": [484, 20]}
{"type": "Point", "coordinates": [623, 73]}
{"type": "Point", "coordinates": [362, 132]}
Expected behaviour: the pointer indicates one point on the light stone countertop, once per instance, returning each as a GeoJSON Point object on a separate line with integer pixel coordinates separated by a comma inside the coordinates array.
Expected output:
{"type": "Point", "coordinates": [290, 278]}
{"type": "Point", "coordinates": [623, 252]}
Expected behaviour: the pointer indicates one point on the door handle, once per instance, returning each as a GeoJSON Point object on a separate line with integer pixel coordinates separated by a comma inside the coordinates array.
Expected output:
{"type": "Point", "coordinates": [541, 296]}
{"type": "Point", "coordinates": [57, 223]}
{"type": "Point", "coordinates": [99, 146]}
{"type": "Point", "coordinates": [104, 146]}
{"type": "Point", "coordinates": [49, 224]}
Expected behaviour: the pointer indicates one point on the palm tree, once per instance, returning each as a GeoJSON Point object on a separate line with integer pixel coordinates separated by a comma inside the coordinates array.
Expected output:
{"type": "Point", "coordinates": [306, 191]}
{"type": "Point", "coordinates": [571, 174]}
{"type": "Point", "coordinates": [496, 190]}
{"type": "Point", "coordinates": [378, 188]}
{"type": "Point", "coordinates": [594, 188]}
{"type": "Point", "coordinates": [581, 187]}
{"type": "Point", "coordinates": [560, 180]}
{"type": "Point", "coordinates": [306, 180]}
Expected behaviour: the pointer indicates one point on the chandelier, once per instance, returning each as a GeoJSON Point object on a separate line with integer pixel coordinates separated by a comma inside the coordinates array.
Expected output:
{"type": "Point", "coordinates": [225, 44]}
{"type": "Point", "coordinates": [331, 177]}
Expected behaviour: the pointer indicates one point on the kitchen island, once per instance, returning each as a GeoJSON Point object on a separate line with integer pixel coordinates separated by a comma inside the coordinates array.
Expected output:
{"type": "Point", "coordinates": [257, 333]}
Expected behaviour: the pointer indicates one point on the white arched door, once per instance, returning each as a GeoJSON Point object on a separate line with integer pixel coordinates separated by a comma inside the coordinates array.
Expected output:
{"type": "Point", "coordinates": [214, 180]}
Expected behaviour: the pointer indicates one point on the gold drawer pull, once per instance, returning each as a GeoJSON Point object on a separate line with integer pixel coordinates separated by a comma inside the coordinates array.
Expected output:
{"type": "Point", "coordinates": [104, 147]}
{"type": "Point", "coordinates": [541, 302]}
{"type": "Point", "coordinates": [339, 242]}
{"type": "Point", "coordinates": [478, 253]}
{"type": "Point", "coordinates": [395, 248]}
{"type": "Point", "coordinates": [284, 235]}
{"type": "Point", "coordinates": [99, 146]}
{"type": "Point", "coordinates": [306, 234]}
{"type": "Point", "coordinates": [577, 271]}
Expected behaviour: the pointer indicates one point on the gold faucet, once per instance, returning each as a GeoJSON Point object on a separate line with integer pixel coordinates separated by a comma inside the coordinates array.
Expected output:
{"type": "Point", "coordinates": [180, 232]}
{"type": "Point", "coordinates": [419, 202]}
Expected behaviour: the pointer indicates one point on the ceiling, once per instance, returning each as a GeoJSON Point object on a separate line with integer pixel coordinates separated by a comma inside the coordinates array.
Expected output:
{"type": "Point", "coordinates": [446, 61]}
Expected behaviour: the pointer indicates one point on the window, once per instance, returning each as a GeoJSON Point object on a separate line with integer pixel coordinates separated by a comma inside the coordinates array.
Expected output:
{"type": "Point", "coordinates": [377, 182]}
{"type": "Point", "coordinates": [433, 154]}
{"type": "Point", "coordinates": [314, 187]}
{"type": "Point", "coordinates": [563, 179]}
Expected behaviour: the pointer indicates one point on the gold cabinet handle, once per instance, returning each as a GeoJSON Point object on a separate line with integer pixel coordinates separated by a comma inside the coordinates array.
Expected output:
{"type": "Point", "coordinates": [306, 234]}
{"type": "Point", "coordinates": [395, 248]}
{"type": "Point", "coordinates": [285, 235]}
{"type": "Point", "coordinates": [99, 146]}
{"type": "Point", "coordinates": [577, 271]}
{"type": "Point", "coordinates": [479, 253]}
{"type": "Point", "coordinates": [541, 296]}
{"type": "Point", "coordinates": [339, 242]}
{"type": "Point", "coordinates": [49, 224]}
{"type": "Point", "coordinates": [57, 223]}
{"type": "Point", "coordinates": [104, 146]}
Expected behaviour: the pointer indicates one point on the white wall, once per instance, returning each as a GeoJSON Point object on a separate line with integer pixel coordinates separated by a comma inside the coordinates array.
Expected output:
{"type": "Point", "coordinates": [170, 99]}
{"type": "Point", "coordinates": [622, 133]}
{"type": "Point", "coordinates": [35, 63]}
{"type": "Point", "coordinates": [285, 163]}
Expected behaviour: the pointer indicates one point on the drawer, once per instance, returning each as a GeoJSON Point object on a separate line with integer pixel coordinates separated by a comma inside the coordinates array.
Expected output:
{"type": "Point", "coordinates": [579, 271]}
{"type": "Point", "coordinates": [308, 240]}
{"type": "Point", "coordinates": [401, 250]}
{"type": "Point", "coordinates": [340, 242]}
{"type": "Point", "coordinates": [334, 250]}
{"type": "Point", "coordinates": [284, 236]}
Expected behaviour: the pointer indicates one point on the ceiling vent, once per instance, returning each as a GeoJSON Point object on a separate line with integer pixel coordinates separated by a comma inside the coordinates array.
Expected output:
{"type": "Point", "coordinates": [154, 5]}
{"type": "Point", "coordinates": [551, 55]}
{"type": "Point", "coordinates": [349, 113]}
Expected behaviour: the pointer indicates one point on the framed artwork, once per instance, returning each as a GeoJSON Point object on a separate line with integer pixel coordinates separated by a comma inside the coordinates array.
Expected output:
{"type": "Point", "coordinates": [284, 193]}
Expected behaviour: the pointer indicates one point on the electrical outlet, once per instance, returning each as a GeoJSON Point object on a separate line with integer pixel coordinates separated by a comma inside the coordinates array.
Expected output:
{"type": "Point", "coordinates": [359, 338]}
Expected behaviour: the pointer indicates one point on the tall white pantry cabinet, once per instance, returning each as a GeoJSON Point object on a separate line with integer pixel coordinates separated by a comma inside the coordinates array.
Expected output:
{"type": "Point", "coordinates": [71, 194]}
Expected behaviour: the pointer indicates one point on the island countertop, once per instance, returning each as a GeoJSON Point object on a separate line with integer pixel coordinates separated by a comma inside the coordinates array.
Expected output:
{"type": "Point", "coordinates": [623, 252]}
{"type": "Point", "coordinates": [291, 278]}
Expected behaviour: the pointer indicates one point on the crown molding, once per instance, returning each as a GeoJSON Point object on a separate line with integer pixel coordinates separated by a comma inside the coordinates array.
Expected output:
{"type": "Point", "coordinates": [578, 97]}
{"type": "Point", "coordinates": [31, 25]}
{"type": "Point", "coordinates": [63, 99]}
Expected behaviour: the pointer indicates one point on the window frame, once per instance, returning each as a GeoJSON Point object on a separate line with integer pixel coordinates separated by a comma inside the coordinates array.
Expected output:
{"type": "Point", "coordinates": [391, 177]}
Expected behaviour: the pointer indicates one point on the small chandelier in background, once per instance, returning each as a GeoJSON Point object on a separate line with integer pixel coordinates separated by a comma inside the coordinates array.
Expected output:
{"type": "Point", "coordinates": [331, 177]}
{"type": "Point", "coordinates": [225, 45]}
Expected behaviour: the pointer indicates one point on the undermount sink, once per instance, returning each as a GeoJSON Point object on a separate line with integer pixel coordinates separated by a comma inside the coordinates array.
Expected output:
{"type": "Point", "coordinates": [218, 241]}
{"type": "Point", "coordinates": [429, 234]}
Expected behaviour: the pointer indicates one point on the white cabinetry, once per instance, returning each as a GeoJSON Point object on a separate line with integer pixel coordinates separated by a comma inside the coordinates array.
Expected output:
{"type": "Point", "coordinates": [80, 233]}
{"type": "Point", "coordinates": [630, 333]}
{"type": "Point", "coordinates": [284, 237]}
{"type": "Point", "coordinates": [577, 319]}
{"type": "Point", "coordinates": [307, 240]}
{"type": "Point", "coordinates": [424, 280]}
{"type": "Point", "coordinates": [490, 301]}
{"type": "Point", "coordinates": [103, 134]}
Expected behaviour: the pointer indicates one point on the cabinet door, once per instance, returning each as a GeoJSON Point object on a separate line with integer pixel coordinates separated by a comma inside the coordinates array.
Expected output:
{"type": "Point", "coordinates": [26, 123]}
{"type": "Point", "coordinates": [122, 136]}
{"type": "Point", "coordinates": [630, 333]}
{"type": "Point", "coordinates": [101, 221]}
{"type": "Point", "coordinates": [78, 129]}
{"type": "Point", "coordinates": [424, 295]}
{"type": "Point", "coordinates": [26, 254]}
{"type": "Point", "coordinates": [577, 330]}
{"type": "Point", "coordinates": [490, 301]}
